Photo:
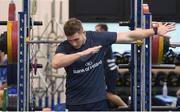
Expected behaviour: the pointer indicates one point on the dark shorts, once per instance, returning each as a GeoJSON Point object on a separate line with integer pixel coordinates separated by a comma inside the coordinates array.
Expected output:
{"type": "Point", "coordinates": [96, 106]}
{"type": "Point", "coordinates": [111, 81]}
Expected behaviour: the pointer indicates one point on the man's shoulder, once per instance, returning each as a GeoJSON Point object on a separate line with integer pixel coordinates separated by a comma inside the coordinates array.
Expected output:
{"type": "Point", "coordinates": [89, 33]}
{"type": "Point", "coordinates": [64, 43]}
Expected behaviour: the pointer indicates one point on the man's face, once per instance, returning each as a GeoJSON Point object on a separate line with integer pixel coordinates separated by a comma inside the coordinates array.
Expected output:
{"type": "Point", "coordinates": [76, 40]}
{"type": "Point", "coordinates": [98, 29]}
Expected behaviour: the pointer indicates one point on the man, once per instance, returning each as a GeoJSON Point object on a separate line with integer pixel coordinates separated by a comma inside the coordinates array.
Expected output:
{"type": "Point", "coordinates": [110, 73]}
{"type": "Point", "coordinates": [82, 56]}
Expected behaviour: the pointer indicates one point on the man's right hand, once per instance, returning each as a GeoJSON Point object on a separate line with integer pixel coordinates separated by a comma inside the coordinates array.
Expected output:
{"type": "Point", "coordinates": [90, 51]}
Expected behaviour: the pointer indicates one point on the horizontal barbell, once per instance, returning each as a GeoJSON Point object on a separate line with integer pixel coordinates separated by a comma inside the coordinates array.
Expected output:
{"type": "Point", "coordinates": [154, 66]}
{"type": "Point", "coordinates": [35, 23]}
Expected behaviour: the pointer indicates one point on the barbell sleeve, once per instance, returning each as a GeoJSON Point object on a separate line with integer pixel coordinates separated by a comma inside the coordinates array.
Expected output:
{"type": "Point", "coordinates": [35, 23]}
{"type": "Point", "coordinates": [175, 44]}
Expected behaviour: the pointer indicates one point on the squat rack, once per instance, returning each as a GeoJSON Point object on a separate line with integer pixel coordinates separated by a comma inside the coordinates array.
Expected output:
{"type": "Point", "coordinates": [23, 54]}
{"type": "Point", "coordinates": [23, 77]}
{"type": "Point", "coordinates": [141, 61]}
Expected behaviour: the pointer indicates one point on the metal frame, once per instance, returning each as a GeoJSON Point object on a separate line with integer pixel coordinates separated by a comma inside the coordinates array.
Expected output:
{"type": "Point", "coordinates": [23, 83]}
{"type": "Point", "coordinates": [140, 62]}
{"type": "Point", "coordinates": [147, 66]}
{"type": "Point", "coordinates": [23, 60]}
{"type": "Point", "coordinates": [21, 72]}
{"type": "Point", "coordinates": [136, 66]}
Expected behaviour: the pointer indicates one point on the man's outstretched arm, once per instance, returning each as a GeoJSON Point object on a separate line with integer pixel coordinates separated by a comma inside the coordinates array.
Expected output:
{"type": "Point", "coordinates": [139, 34]}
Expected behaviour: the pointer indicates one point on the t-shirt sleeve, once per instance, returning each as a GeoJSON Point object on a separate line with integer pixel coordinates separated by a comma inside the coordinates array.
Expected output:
{"type": "Point", "coordinates": [105, 38]}
{"type": "Point", "coordinates": [61, 48]}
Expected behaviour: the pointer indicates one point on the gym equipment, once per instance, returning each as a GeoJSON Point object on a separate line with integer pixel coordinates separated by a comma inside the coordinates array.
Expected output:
{"type": "Point", "coordinates": [126, 57]}
{"type": "Point", "coordinates": [169, 57]}
{"type": "Point", "coordinates": [177, 59]}
{"type": "Point", "coordinates": [154, 66]}
{"type": "Point", "coordinates": [141, 55]}
{"type": "Point", "coordinates": [172, 79]}
{"type": "Point", "coordinates": [25, 24]}
{"type": "Point", "coordinates": [5, 100]}
{"type": "Point", "coordinates": [153, 79]}
{"type": "Point", "coordinates": [166, 44]}
{"type": "Point", "coordinates": [36, 23]}
{"type": "Point", "coordinates": [140, 60]}
{"type": "Point", "coordinates": [120, 80]}
{"type": "Point", "coordinates": [12, 96]}
{"type": "Point", "coordinates": [12, 11]}
{"type": "Point", "coordinates": [9, 42]}
{"type": "Point", "coordinates": [155, 47]}
{"type": "Point", "coordinates": [10, 47]}
{"type": "Point", "coordinates": [160, 45]}
{"type": "Point", "coordinates": [161, 49]}
{"type": "Point", "coordinates": [12, 36]}
{"type": "Point", "coordinates": [3, 42]}
{"type": "Point", "coordinates": [126, 77]}
{"type": "Point", "coordinates": [34, 7]}
{"type": "Point", "coordinates": [161, 77]}
{"type": "Point", "coordinates": [11, 74]}
{"type": "Point", "coordinates": [118, 57]}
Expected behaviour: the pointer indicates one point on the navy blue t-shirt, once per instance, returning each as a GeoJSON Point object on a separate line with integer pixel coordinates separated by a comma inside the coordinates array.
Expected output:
{"type": "Point", "coordinates": [85, 82]}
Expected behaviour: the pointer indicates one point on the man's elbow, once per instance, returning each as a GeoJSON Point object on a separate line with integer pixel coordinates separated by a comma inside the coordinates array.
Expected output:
{"type": "Point", "coordinates": [55, 65]}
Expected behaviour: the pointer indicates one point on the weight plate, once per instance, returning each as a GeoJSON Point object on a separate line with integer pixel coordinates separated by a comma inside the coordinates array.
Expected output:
{"type": "Point", "coordinates": [161, 49]}
{"type": "Point", "coordinates": [12, 12]}
{"type": "Point", "coordinates": [9, 41]}
{"type": "Point", "coordinates": [155, 50]}
{"type": "Point", "coordinates": [14, 41]}
{"type": "Point", "coordinates": [166, 45]}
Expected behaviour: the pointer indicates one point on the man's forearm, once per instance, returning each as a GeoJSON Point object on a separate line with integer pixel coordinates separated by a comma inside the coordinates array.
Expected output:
{"type": "Point", "coordinates": [134, 35]}
{"type": "Point", "coordinates": [141, 34]}
{"type": "Point", "coordinates": [65, 60]}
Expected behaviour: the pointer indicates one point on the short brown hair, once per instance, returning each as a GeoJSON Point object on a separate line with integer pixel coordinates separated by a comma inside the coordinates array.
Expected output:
{"type": "Point", "coordinates": [72, 26]}
{"type": "Point", "coordinates": [103, 27]}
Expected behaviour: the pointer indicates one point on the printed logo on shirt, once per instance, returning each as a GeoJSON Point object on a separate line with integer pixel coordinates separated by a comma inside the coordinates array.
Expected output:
{"type": "Point", "coordinates": [88, 66]}
{"type": "Point", "coordinates": [89, 63]}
